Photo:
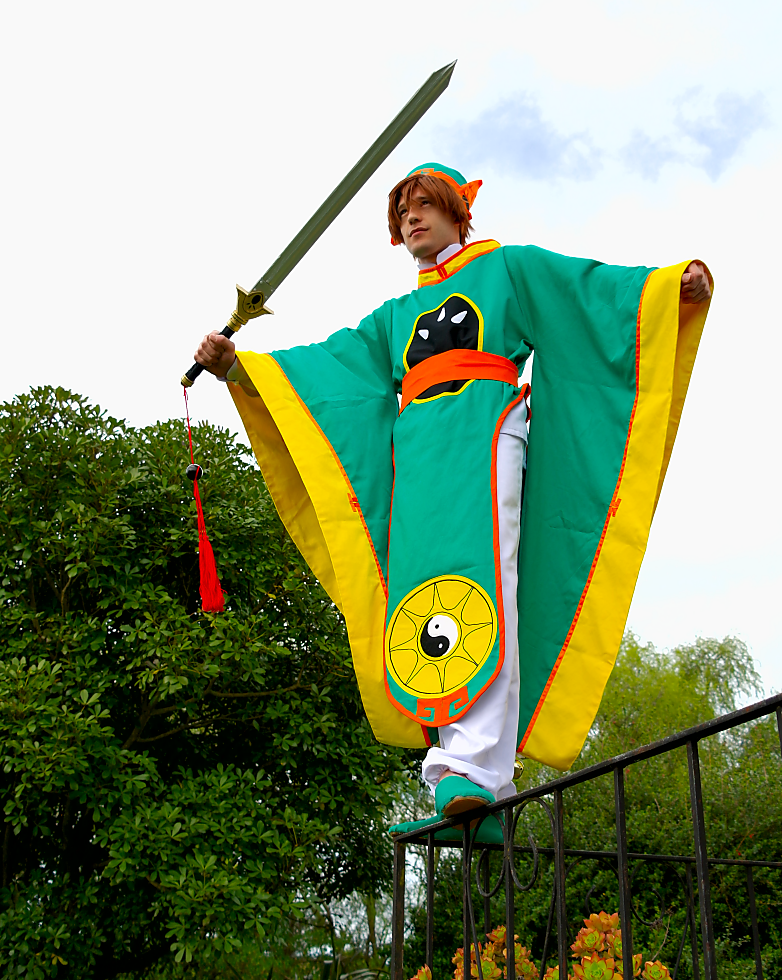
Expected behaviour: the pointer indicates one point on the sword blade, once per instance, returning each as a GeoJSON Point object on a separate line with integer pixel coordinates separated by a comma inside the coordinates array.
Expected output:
{"type": "Point", "coordinates": [352, 183]}
{"type": "Point", "coordinates": [252, 304]}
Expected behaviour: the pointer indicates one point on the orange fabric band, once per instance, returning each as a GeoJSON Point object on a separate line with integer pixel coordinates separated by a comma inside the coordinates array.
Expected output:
{"type": "Point", "coordinates": [457, 365]}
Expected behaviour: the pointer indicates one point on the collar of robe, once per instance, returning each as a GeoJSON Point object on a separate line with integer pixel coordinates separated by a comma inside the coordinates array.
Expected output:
{"type": "Point", "coordinates": [448, 268]}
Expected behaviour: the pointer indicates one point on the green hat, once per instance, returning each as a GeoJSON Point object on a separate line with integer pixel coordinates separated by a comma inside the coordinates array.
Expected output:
{"type": "Point", "coordinates": [467, 190]}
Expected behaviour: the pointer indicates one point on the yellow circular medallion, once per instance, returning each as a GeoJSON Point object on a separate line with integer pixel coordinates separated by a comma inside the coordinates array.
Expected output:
{"type": "Point", "coordinates": [440, 636]}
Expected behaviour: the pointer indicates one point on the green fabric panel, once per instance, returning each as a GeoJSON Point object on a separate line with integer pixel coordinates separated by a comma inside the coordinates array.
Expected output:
{"type": "Point", "coordinates": [408, 701]}
{"type": "Point", "coordinates": [442, 520]}
{"type": "Point", "coordinates": [346, 384]}
{"type": "Point", "coordinates": [581, 322]}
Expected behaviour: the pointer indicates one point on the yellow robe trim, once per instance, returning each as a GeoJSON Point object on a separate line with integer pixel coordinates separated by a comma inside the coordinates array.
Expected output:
{"type": "Point", "coordinates": [437, 273]}
{"type": "Point", "coordinates": [668, 334]}
{"type": "Point", "coordinates": [317, 505]}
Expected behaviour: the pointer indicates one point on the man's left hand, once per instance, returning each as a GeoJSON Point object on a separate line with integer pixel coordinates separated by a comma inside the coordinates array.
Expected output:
{"type": "Point", "coordinates": [696, 286]}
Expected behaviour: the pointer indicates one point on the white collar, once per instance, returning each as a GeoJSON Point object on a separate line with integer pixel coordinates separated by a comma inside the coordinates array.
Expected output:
{"type": "Point", "coordinates": [441, 256]}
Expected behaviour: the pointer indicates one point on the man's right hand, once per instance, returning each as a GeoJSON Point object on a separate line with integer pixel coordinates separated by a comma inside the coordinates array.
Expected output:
{"type": "Point", "coordinates": [217, 353]}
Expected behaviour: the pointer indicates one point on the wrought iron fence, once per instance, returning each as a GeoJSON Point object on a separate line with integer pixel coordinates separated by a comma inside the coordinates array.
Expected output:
{"type": "Point", "coordinates": [551, 796]}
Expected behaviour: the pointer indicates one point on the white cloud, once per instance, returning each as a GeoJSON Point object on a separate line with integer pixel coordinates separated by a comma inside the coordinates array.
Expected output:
{"type": "Point", "coordinates": [647, 156]}
{"type": "Point", "coordinates": [710, 141]}
{"type": "Point", "coordinates": [513, 137]}
{"type": "Point", "coordinates": [722, 133]}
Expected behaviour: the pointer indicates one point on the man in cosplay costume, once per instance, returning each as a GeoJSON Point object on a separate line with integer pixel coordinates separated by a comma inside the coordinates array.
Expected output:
{"type": "Point", "coordinates": [396, 453]}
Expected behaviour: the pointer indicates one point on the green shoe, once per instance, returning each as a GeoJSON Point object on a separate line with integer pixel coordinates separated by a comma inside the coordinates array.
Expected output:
{"type": "Point", "coordinates": [456, 794]}
{"type": "Point", "coordinates": [489, 832]}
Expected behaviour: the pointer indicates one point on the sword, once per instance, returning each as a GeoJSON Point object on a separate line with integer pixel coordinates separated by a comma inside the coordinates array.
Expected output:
{"type": "Point", "coordinates": [252, 303]}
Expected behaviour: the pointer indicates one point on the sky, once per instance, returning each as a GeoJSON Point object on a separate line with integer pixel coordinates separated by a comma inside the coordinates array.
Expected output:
{"type": "Point", "coordinates": [157, 153]}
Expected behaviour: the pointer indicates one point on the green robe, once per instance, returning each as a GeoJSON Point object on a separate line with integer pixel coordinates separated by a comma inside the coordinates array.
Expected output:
{"type": "Point", "coordinates": [396, 513]}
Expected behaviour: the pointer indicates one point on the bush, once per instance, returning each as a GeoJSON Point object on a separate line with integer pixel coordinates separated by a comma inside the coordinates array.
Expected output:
{"type": "Point", "coordinates": [173, 784]}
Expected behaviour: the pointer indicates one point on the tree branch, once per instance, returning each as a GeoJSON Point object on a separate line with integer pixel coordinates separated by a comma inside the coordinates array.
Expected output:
{"type": "Point", "coordinates": [141, 724]}
{"type": "Point", "coordinates": [196, 723]}
{"type": "Point", "coordinates": [34, 607]}
{"type": "Point", "coordinates": [6, 841]}
{"type": "Point", "coordinates": [43, 567]}
{"type": "Point", "coordinates": [182, 704]}
{"type": "Point", "coordinates": [258, 694]}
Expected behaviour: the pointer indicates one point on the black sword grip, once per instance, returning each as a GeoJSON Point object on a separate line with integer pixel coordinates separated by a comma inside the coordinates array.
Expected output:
{"type": "Point", "coordinates": [189, 377]}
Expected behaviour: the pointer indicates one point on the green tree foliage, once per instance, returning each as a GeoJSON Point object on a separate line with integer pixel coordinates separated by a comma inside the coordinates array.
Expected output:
{"type": "Point", "coordinates": [652, 694]}
{"type": "Point", "coordinates": [172, 783]}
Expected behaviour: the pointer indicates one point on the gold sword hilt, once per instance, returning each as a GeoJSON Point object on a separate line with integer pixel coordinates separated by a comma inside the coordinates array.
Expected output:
{"type": "Point", "coordinates": [249, 305]}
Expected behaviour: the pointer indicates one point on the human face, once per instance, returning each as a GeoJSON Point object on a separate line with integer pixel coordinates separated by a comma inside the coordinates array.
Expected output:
{"type": "Point", "coordinates": [426, 230]}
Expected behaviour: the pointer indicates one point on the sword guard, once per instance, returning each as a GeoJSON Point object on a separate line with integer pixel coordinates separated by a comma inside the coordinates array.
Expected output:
{"type": "Point", "coordinates": [248, 306]}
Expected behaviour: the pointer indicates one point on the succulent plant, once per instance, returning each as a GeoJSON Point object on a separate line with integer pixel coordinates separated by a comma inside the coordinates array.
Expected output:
{"type": "Point", "coordinates": [489, 969]}
{"type": "Point", "coordinates": [603, 922]}
{"type": "Point", "coordinates": [424, 973]}
{"type": "Point", "coordinates": [589, 940]}
{"type": "Point", "coordinates": [497, 936]}
{"type": "Point", "coordinates": [598, 945]}
{"type": "Point", "coordinates": [458, 962]}
{"type": "Point", "coordinates": [525, 966]}
{"type": "Point", "coordinates": [595, 967]}
{"type": "Point", "coordinates": [655, 971]}
{"type": "Point", "coordinates": [552, 973]}
{"type": "Point", "coordinates": [617, 955]}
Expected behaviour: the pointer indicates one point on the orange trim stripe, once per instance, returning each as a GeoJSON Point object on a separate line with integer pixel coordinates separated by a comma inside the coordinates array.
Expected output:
{"type": "Point", "coordinates": [438, 273]}
{"type": "Point", "coordinates": [457, 365]}
{"type": "Point", "coordinates": [496, 522]}
{"type": "Point", "coordinates": [611, 512]}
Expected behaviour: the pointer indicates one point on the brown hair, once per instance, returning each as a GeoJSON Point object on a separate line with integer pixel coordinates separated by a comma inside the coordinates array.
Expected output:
{"type": "Point", "coordinates": [441, 194]}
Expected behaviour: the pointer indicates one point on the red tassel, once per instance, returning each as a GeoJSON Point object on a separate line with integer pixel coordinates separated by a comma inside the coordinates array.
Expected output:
{"type": "Point", "coordinates": [211, 590]}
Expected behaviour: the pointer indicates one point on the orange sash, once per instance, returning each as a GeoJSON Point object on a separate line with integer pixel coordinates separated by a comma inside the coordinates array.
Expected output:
{"type": "Point", "coordinates": [456, 365]}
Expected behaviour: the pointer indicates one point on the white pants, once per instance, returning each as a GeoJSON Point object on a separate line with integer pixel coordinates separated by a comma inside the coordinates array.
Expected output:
{"type": "Point", "coordinates": [482, 743]}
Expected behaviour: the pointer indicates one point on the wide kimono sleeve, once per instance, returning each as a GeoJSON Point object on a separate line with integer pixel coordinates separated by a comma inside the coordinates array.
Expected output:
{"type": "Point", "coordinates": [321, 429]}
{"type": "Point", "coordinates": [613, 353]}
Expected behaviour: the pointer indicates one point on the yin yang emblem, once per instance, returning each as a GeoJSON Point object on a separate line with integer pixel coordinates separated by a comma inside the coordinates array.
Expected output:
{"type": "Point", "coordinates": [456, 324]}
{"type": "Point", "coordinates": [440, 636]}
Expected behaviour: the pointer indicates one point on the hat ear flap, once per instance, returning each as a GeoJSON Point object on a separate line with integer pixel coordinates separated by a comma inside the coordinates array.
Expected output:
{"type": "Point", "coordinates": [470, 191]}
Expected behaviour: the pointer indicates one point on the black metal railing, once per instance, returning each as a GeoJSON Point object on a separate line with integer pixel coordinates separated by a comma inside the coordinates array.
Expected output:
{"type": "Point", "coordinates": [550, 796]}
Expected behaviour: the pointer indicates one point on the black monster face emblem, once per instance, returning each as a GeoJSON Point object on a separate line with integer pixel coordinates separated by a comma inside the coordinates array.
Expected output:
{"type": "Point", "coordinates": [455, 325]}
